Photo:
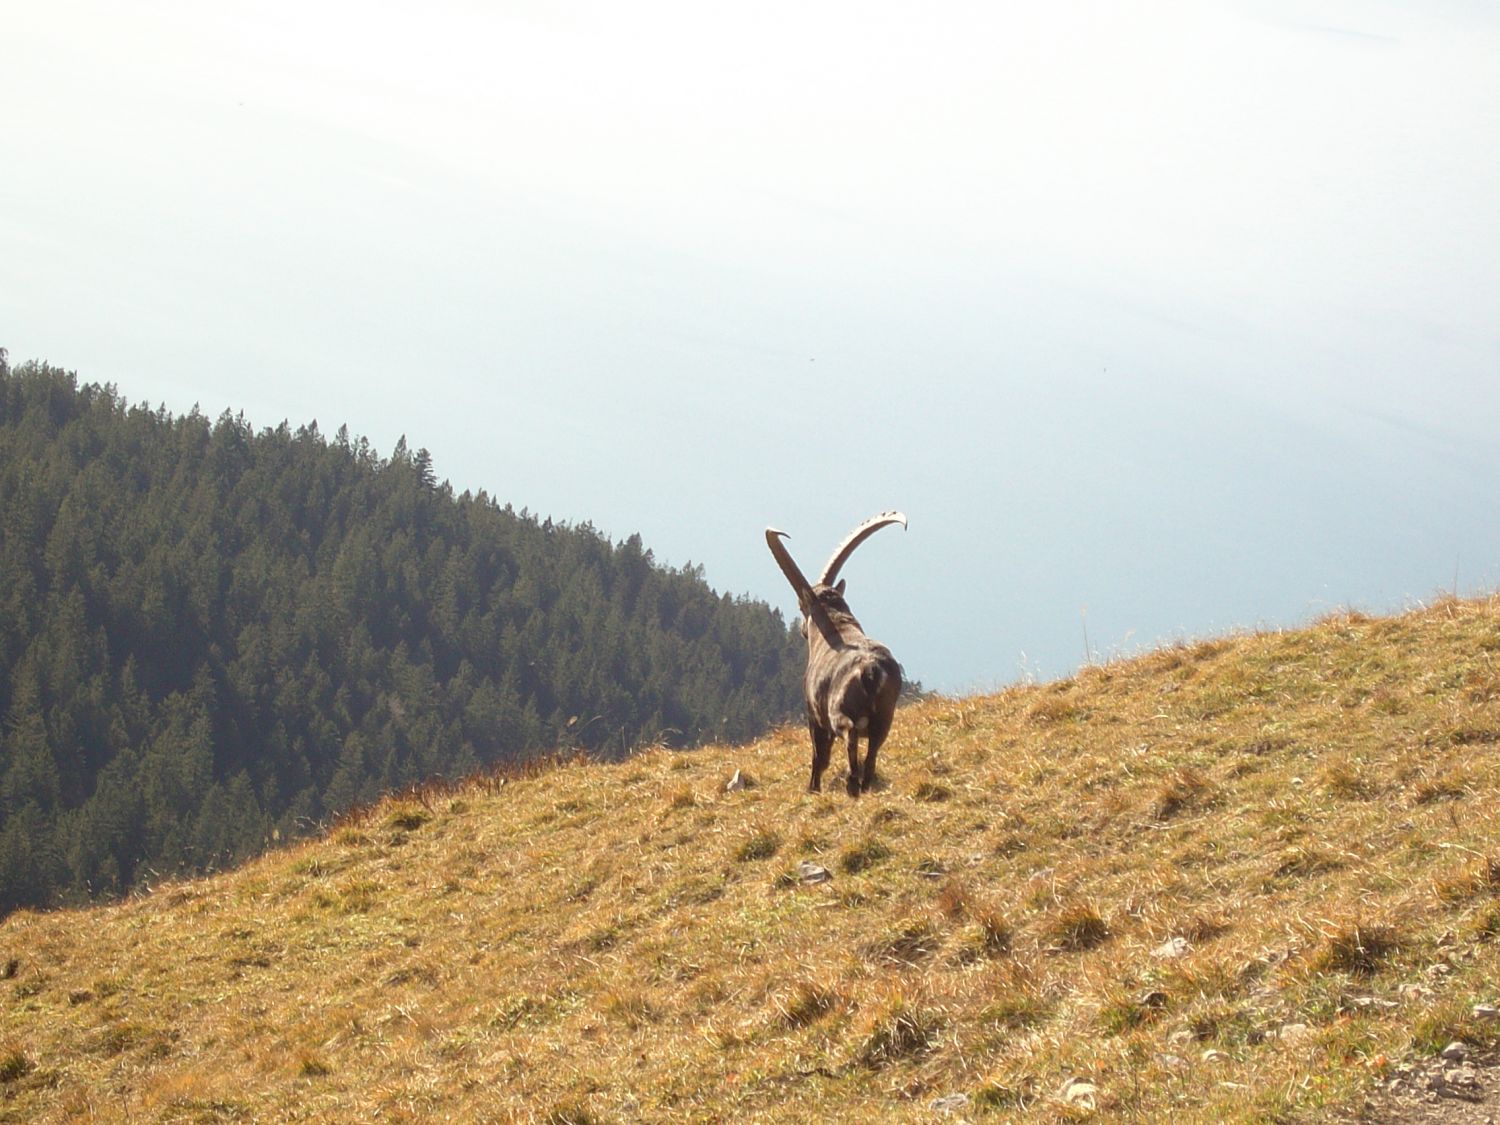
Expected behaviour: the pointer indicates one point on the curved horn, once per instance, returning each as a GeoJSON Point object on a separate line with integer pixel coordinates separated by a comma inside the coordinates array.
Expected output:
{"type": "Point", "coordinates": [788, 566]}
{"type": "Point", "coordinates": [854, 539]}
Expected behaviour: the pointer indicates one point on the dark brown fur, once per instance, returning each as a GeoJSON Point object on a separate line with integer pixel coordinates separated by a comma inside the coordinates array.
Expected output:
{"type": "Point", "coordinates": [851, 687]}
{"type": "Point", "coordinates": [852, 683]}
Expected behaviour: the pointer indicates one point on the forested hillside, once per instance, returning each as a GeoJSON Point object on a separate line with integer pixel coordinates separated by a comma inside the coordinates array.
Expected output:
{"type": "Point", "coordinates": [212, 636]}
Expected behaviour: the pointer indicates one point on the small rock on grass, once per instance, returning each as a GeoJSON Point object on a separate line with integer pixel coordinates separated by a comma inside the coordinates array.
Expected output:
{"type": "Point", "coordinates": [950, 1103]}
{"type": "Point", "coordinates": [1172, 949]}
{"type": "Point", "coordinates": [1081, 1093]}
{"type": "Point", "coordinates": [810, 872]}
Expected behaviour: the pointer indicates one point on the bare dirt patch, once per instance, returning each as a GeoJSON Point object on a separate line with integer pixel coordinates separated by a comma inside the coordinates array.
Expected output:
{"type": "Point", "coordinates": [1463, 1092]}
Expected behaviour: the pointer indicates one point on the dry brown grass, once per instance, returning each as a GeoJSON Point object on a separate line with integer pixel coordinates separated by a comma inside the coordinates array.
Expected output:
{"type": "Point", "coordinates": [1312, 812]}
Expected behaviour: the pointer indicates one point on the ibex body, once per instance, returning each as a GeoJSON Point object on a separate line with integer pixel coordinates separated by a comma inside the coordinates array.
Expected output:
{"type": "Point", "coordinates": [852, 682]}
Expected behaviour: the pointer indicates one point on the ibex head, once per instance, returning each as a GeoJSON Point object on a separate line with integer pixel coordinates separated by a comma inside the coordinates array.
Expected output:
{"type": "Point", "coordinates": [829, 589]}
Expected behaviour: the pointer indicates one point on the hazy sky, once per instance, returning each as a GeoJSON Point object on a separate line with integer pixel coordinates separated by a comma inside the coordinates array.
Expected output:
{"type": "Point", "coordinates": [1158, 319]}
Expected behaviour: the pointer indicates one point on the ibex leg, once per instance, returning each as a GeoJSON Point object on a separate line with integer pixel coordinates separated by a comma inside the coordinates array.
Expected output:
{"type": "Point", "coordinates": [854, 772]}
{"type": "Point", "coordinates": [876, 736]}
{"type": "Point", "coordinates": [822, 741]}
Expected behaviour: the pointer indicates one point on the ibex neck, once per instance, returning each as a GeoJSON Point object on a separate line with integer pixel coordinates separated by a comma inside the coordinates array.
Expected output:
{"type": "Point", "coordinates": [836, 627]}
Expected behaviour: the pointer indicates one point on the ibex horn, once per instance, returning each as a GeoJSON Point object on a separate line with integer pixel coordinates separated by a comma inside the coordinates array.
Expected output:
{"type": "Point", "coordinates": [788, 566]}
{"type": "Point", "coordinates": [853, 540]}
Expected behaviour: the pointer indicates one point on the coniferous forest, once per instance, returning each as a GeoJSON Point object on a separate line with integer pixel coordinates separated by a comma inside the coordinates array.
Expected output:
{"type": "Point", "coordinates": [212, 637]}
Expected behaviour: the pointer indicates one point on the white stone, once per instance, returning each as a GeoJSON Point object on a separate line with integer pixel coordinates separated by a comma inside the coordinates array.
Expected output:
{"type": "Point", "coordinates": [810, 872]}
{"type": "Point", "coordinates": [1464, 1078]}
{"type": "Point", "coordinates": [1172, 948]}
{"type": "Point", "coordinates": [1080, 1093]}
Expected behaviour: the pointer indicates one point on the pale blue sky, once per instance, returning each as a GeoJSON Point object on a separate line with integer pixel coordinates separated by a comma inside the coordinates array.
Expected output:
{"type": "Point", "coordinates": [1185, 313]}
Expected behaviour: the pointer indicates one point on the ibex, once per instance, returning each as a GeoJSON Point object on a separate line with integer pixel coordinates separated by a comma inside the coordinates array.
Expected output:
{"type": "Point", "coordinates": [852, 682]}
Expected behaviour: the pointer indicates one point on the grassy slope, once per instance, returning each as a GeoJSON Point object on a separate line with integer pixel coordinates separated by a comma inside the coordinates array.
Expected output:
{"type": "Point", "coordinates": [1313, 811]}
